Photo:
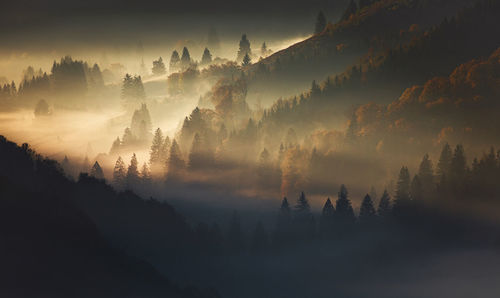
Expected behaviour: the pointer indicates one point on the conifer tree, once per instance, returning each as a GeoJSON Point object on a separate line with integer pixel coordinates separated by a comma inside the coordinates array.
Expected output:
{"type": "Point", "coordinates": [327, 221]}
{"type": "Point", "coordinates": [303, 218]}
{"type": "Point", "coordinates": [185, 59]}
{"type": "Point", "coordinates": [155, 153]}
{"type": "Point", "coordinates": [246, 60]}
{"type": "Point", "coordinates": [384, 206]}
{"type": "Point", "coordinates": [426, 177]}
{"type": "Point", "coordinates": [367, 212]}
{"type": "Point", "coordinates": [443, 167]}
{"type": "Point", "coordinates": [158, 67]}
{"type": "Point", "coordinates": [206, 58]}
{"type": "Point", "coordinates": [320, 23]}
{"type": "Point", "coordinates": [196, 156]}
{"type": "Point", "coordinates": [416, 188]}
{"type": "Point", "coordinates": [119, 174]}
{"type": "Point", "coordinates": [244, 49]}
{"type": "Point", "coordinates": [403, 192]}
{"type": "Point", "coordinates": [132, 173]}
{"type": "Point", "coordinates": [146, 176]}
{"type": "Point", "coordinates": [344, 212]}
{"type": "Point", "coordinates": [96, 171]}
{"type": "Point", "coordinates": [263, 50]}
{"type": "Point", "coordinates": [175, 61]}
{"type": "Point", "coordinates": [85, 165]}
{"type": "Point", "coordinates": [175, 163]}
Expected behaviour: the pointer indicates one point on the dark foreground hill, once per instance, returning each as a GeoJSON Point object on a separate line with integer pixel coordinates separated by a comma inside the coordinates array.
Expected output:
{"type": "Point", "coordinates": [51, 248]}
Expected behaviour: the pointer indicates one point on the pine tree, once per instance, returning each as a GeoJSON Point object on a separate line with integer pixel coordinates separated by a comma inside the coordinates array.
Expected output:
{"type": "Point", "coordinates": [367, 212]}
{"type": "Point", "coordinates": [85, 165]}
{"type": "Point", "coordinates": [146, 176]}
{"type": "Point", "coordinates": [244, 48]}
{"type": "Point", "coordinates": [66, 166]}
{"type": "Point", "coordinates": [443, 167]}
{"type": "Point", "coordinates": [196, 156]}
{"type": "Point", "coordinates": [155, 153]}
{"type": "Point", "coordinates": [165, 150]}
{"type": "Point", "coordinates": [175, 61]}
{"type": "Point", "coordinates": [119, 174]}
{"type": "Point", "coordinates": [246, 60]}
{"type": "Point", "coordinates": [97, 172]}
{"type": "Point", "coordinates": [416, 189]}
{"type": "Point", "coordinates": [206, 58]}
{"type": "Point", "coordinates": [175, 163]}
{"type": "Point", "coordinates": [263, 50]}
{"type": "Point", "coordinates": [403, 195]}
{"type": "Point", "coordinates": [327, 221]}
{"type": "Point", "coordinates": [132, 173]}
{"type": "Point", "coordinates": [158, 67]}
{"type": "Point", "coordinates": [384, 207]}
{"type": "Point", "coordinates": [185, 59]}
{"type": "Point", "coordinates": [320, 23]}
{"type": "Point", "coordinates": [303, 218]}
{"type": "Point", "coordinates": [426, 177]}
{"type": "Point", "coordinates": [344, 212]}
{"type": "Point", "coordinates": [350, 10]}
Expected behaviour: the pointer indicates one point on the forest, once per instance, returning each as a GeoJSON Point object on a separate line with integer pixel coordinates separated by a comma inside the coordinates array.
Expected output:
{"type": "Point", "coordinates": [344, 149]}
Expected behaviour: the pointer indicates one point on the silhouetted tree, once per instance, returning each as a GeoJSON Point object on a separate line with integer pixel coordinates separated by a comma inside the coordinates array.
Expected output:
{"type": "Point", "coordinates": [206, 58]}
{"type": "Point", "coordinates": [155, 153]}
{"type": "Point", "coordinates": [158, 67]}
{"type": "Point", "coordinates": [327, 221]}
{"type": "Point", "coordinates": [416, 189]}
{"type": "Point", "coordinates": [185, 59]}
{"type": "Point", "coordinates": [116, 146]}
{"type": "Point", "coordinates": [320, 23]}
{"type": "Point", "coordinates": [367, 214]}
{"type": "Point", "coordinates": [344, 213]}
{"type": "Point", "coordinates": [96, 171]}
{"type": "Point", "coordinates": [283, 231]}
{"type": "Point", "coordinates": [175, 62]}
{"type": "Point", "coordinates": [302, 218]}
{"type": "Point", "coordinates": [384, 207]}
{"type": "Point", "coordinates": [403, 196]}
{"type": "Point", "coordinates": [246, 60]}
{"type": "Point", "coordinates": [244, 49]}
{"type": "Point", "coordinates": [146, 179]}
{"type": "Point", "coordinates": [132, 173]}
{"type": "Point", "coordinates": [119, 174]}
{"type": "Point", "coordinates": [426, 178]}
{"type": "Point", "coordinates": [444, 164]}
{"type": "Point", "coordinates": [175, 163]}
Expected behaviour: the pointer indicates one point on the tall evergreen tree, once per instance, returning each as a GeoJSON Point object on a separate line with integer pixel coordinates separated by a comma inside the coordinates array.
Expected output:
{"type": "Point", "coordinates": [244, 48]}
{"type": "Point", "coordinates": [185, 59]}
{"type": "Point", "coordinates": [320, 23]}
{"type": "Point", "coordinates": [158, 67]}
{"type": "Point", "coordinates": [146, 179]}
{"type": "Point", "coordinates": [384, 207]}
{"type": "Point", "coordinates": [444, 164]}
{"type": "Point", "coordinates": [303, 218]}
{"type": "Point", "coordinates": [132, 173]}
{"type": "Point", "coordinates": [426, 177]}
{"type": "Point", "coordinates": [344, 212]}
{"type": "Point", "coordinates": [96, 171]}
{"type": "Point", "coordinates": [416, 188]}
{"type": "Point", "coordinates": [246, 60]}
{"type": "Point", "coordinates": [206, 58]}
{"type": "Point", "coordinates": [175, 163]}
{"type": "Point", "coordinates": [116, 146]}
{"type": "Point", "coordinates": [367, 212]}
{"type": "Point", "coordinates": [175, 62]}
{"type": "Point", "coordinates": [155, 153]}
{"type": "Point", "coordinates": [119, 174]}
{"type": "Point", "coordinates": [403, 191]}
{"type": "Point", "coordinates": [327, 221]}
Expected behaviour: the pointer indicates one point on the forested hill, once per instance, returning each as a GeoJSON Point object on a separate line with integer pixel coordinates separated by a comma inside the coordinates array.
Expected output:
{"type": "Point", "coordinates": [382, 78]}
{"type": "Point", "coordinates": [377, 26]}
{"type": "Point", "coordinates": [51, 247]}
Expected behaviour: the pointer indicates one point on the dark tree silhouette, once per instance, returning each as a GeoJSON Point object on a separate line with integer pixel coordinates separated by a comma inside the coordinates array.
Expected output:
{"type": "Point", "coordinates": [327, 220]}
{"type": "Point", "coordinates": [344, 213]}
{"type": "Point", "coordinates": [244, 49]}
{"type": "Point", "coordinates": [175, 62]}
{"type": "Point", "coordinates": [384, 209]}
{"type": "Point", "coordinates": [320, 23]}
{"type": "Point", "coordinates": [206, 59]}
{"type": "Point", "coordinates": [132, 173]}
{"type": "Point", "coordinates": [367, 214]}
{"type": "Point", "coordinates": [185, 59]}
{"type": "Point", "coordinates": [158, 67]}
{"type": "Point", "coordinates": [96, 171]}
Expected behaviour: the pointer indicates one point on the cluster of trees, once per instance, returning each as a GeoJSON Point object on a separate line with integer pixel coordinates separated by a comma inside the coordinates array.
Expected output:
{"type": "Point", "coordinates": [138, 134]}
{"type": "Point", "coordinates": [132, 90]}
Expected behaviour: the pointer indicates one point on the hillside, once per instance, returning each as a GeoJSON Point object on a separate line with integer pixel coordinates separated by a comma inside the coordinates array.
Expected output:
{"type": "Point", "coordinates": [371, 29]}
{"type": "Point", "coordinates": [51, 248]}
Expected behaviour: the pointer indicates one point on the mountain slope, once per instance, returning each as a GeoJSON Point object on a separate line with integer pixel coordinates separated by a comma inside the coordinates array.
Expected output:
{"type": "Point", "coordinates": [50, 248]}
